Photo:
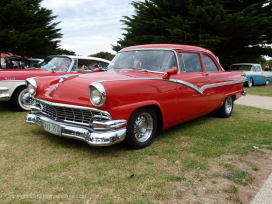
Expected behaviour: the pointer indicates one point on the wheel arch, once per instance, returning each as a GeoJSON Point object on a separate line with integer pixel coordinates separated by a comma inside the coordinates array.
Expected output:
{"type": "Point", "coordinates": [249, 82]}
{"type": "Point", "coordinates": [159, 117]}
{"type": "Point", "coordinates": [126, 111]}
{"type": "Point", "coordinates": [16, 88]}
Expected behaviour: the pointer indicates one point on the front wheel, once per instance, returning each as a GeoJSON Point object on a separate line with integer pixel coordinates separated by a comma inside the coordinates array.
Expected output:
{"type": "Point", "coordinates": [21, 99]}
{"type": "Point", "coordinates": [141, 128]}
{"type": "Point", "coordinates": [249, 83]}
{"type": "Point", "coordinates": [267, 82]}
{"type": "Point", "coordinates": [226, 109]}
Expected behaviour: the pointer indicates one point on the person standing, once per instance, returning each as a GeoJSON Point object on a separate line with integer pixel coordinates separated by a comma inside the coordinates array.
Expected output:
{"type": "Point", "coordinates": [266, 68]}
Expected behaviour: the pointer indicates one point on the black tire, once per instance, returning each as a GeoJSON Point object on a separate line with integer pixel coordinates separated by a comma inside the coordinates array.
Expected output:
{"type": "Point", "coordinates": [21, 100]}
{"type": "Point", "coordinates": [226, 109]}
{"type": "Point", "coordinates": [250, 83]}
{"type": "Point", "coordinates": [142, 128]}
{"type": "Point", "coordinates": [267, 82]}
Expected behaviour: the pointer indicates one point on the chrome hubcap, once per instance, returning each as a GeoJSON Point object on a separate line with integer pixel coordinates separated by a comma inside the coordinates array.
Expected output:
{"type": "Point", "coordinates": [143, 127]}
{"type": "Point", "coordinates": [26, 99]}
{"type": "Point", "coordinates": [228, 105]}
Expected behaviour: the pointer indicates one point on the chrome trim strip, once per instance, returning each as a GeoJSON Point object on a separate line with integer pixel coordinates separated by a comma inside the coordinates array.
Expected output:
{"type": "Point", "coordinates": [203, 88]}
{"type": "Point", "coordinates": [171, 49]}
{"type": "Point", "coordinates": [4, 88]}
{"type": "Point", "coordinates": [67, 76]}
{"type": "Point", "coordinates": [5, 97]}
{"type": "Point", "coordinates": [200, 90]}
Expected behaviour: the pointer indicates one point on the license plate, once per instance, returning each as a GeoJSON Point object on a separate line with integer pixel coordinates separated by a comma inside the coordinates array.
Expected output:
{"type": "Point", "coordinates": [50, 127]}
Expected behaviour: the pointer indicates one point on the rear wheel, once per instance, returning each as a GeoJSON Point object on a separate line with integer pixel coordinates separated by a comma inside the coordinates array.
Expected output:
{"type": "Point", "coordinates": [226, 109]}
{"type": "Point", "coordinates": [21, 99]}
{"type": "Point", "coordinates": [141, 128]}
{"type": "Point", "coordinates": [267, 82]}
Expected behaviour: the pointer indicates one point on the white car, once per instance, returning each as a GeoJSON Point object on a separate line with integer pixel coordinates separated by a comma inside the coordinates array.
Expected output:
{"type": "Point", "coordinates": [12, 81]}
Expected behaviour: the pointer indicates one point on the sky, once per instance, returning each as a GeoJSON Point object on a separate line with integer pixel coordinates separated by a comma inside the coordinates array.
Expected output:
{"type": "Point", "coordinates": [90, 26]}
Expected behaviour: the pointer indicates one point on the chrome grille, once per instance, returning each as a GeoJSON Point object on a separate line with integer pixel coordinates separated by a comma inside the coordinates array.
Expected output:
{"type": "Point", "coordinates": [69, 113]}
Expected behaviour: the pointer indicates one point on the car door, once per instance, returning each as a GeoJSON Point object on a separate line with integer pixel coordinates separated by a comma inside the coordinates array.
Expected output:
{"type": "Point", "coordinates": [191, 100]}
{"type": "Point", "coordinates": [217, 79]}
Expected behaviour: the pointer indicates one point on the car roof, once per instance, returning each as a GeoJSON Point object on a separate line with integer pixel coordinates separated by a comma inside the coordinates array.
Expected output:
{"type": "Point", "coordinates": [81, 57]}
{"type": "Point", "coordinates": [168, 46]}
{"type": "Point", "coordinates": [251, 64]}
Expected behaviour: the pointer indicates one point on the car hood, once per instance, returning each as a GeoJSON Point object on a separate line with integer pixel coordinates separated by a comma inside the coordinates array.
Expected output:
{"type": "Point", "coordinates": [22, 74]}
{"type": "Point", "coordinates": [73, 88]}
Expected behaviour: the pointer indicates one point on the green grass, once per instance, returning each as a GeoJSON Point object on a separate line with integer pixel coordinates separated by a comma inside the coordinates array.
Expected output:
{"type": "Point", "coordinates": [260, 90]}
{"type": "Point", "coordinates": [37, 167]}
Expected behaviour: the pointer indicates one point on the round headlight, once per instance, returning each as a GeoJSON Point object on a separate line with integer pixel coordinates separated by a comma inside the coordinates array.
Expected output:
{"type": "Point", "coordinates": [97, 95]}
{"type": "Point", "coordinates": [31, 86]}
{"type": "Point", "coordinates": [31, 89]}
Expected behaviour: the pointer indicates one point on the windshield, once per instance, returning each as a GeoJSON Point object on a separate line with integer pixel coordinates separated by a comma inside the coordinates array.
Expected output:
{"type": "Point", "coordinates": [242, 67]}
{"type": "Point", "coordinates": [152, 60]}
{"type": "Point", "coordinates": [61, 64]}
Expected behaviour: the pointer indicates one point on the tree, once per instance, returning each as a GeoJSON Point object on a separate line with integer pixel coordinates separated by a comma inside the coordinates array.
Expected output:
{"type": "Point", "coordinates": [103, 55]}
{"type": "Point", "coordinates": [27, 29]}
{"type": "Point", "coordinates": [61, 51]}
{"type": "Point", "coordinates": [234, 30]}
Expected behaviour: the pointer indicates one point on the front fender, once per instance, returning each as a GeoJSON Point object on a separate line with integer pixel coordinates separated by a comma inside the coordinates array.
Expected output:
{"type": "Point", "coordinates": [125, 111]}
{"type": "Point", "coordinates": [12, 85]}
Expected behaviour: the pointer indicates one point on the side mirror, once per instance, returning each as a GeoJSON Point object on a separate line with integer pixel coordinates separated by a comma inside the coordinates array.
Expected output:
{"type": "Point", "coordinates": [53, 69]}
{"type": "Point", "coordinates": [170, 72]}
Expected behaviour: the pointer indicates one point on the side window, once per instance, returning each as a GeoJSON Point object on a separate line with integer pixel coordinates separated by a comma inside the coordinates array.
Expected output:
{"type": "Point", "coordinates": [258, 68]}
{"type": "Point", "coordinates": [190, 62]}
{"type": "Point", "coordinates": [209, 64]}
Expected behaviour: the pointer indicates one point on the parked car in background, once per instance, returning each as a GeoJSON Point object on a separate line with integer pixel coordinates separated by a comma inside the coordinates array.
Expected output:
{"type": "Point", "coordinates": [12, 81]}
{"type": "Point", "coordinates": [253, 73]}
{"type": "Point", "coordinates": [24, 63]}
{"type": "Point", "coordinates": [146, 88]}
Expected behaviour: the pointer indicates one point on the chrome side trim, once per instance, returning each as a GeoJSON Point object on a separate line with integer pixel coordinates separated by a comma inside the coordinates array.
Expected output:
{"type": "Point", "coordinates": [200, 90]}
{"type": "Point", "coordinates": [4, 89]}
{"type": "Point", "coordinates": [67, 76]}
{"type": "Point", "coordinates": [4, 96]}
{"type": "Point", "coordinates": [203, 88]}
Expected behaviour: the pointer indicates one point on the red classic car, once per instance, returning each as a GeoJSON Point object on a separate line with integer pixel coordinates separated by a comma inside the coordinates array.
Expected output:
{"type": "Point", "coordinates": [146, 88]}
{"type": "Point", "coordinates": [12, 81]}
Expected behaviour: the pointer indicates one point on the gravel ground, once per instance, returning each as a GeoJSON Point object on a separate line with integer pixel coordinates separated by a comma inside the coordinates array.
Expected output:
{"type": "Point", "coordinates": [263, 102]}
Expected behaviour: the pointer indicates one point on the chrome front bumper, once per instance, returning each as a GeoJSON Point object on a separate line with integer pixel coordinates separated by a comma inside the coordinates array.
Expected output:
{"type": "Point", "coordinates": [92, 137]}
